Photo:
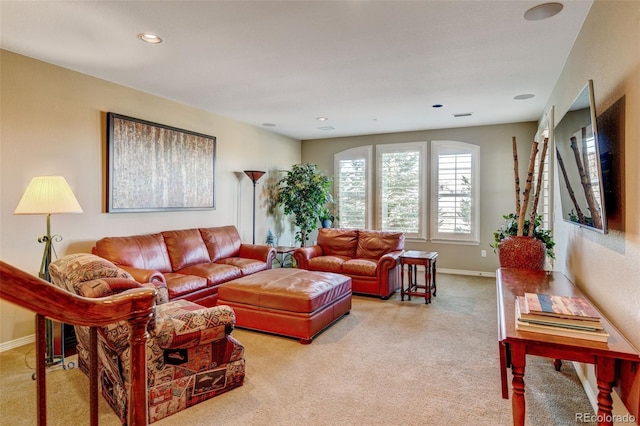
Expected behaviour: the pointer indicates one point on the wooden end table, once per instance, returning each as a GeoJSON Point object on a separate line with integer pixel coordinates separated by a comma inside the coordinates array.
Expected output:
{"type": "Point", "coordinates": [285, 254]}
{"type": "Point", "coordinates": [413, 258]}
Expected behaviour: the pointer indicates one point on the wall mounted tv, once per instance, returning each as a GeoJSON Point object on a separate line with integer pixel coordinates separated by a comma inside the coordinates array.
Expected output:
{"type": "Point", "coordinates": [580, 164]}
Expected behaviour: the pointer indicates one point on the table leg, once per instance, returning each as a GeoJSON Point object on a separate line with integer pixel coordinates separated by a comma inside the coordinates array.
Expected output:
{"type": "Point", "coordinates": [433, 277]}
{"type": "Point", "coordinates": [427, 281]}
{"type": "Point", "coordinates": [401, 281]}
{"type": "Point", "coordinates": [606, 375]}
{"type": "Point", "coordinates": [518, 362]}
{"type": "Point", "coordinates": [410, 283]}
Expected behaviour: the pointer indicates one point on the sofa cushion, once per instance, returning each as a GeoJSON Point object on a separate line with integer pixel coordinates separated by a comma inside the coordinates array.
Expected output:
{"type": "Point", "coordinates": [185, 248]}
{"type": "Point", "coordinates": [214, 273]}
{"type": "Point", "coordinates": [139, 251]}
{"type": "Point", "coordinates": [366, 267]}
{"type": "Point", "coordinates": [338, 242]}
{"type": "Point", "coordinates": [374, 244]}
{"type": "Point", "coordinates": [246, 266]}
{"type": "Point", "coordinates": [327, 263]}
{"type": "Point", "coordinates": [221, 242]}
{"type": "Point", "coordinates": [179, 284]}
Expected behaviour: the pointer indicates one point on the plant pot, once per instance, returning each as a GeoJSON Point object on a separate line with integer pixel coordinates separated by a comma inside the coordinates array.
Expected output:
{"type": "Point", "coordinates": [522, 253]}
{"type": "Point", "coordinates": [326, 223]}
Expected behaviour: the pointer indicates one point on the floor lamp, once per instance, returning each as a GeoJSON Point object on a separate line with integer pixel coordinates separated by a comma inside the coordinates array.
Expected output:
{"type": "Point", "coordinates": [48, 195]}
{"type": "Point", "coordinates": [255, 176]}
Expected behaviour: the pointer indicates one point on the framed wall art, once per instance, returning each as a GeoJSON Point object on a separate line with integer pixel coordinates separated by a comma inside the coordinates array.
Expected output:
{"type": "Point", "coordinates": [153, 167]}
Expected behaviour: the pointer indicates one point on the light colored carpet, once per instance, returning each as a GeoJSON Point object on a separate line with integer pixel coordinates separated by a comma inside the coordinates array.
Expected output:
{"type": "Point", "coordinates": [387, 363]}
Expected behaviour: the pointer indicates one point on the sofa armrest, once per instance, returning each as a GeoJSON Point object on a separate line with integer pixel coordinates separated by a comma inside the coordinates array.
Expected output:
{"type": "Point", "coordinates": [258, 252]}
{"type": "Point", "coordinates": [182, 324]}
{"type": "Point", "coordinates": [389, 261]}
{"type": "Point", "coordinates": [302, 255]}
{"type": "Point", "coordinates": [145, 275]}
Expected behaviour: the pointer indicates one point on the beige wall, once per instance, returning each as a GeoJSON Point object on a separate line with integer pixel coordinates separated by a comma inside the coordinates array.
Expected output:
{"type": "Point", "coordinates": [53, 123]}
{"type": "Point", "coordinates": [496, 179]}
{"type": "Point", "coordinates": [607, 267]}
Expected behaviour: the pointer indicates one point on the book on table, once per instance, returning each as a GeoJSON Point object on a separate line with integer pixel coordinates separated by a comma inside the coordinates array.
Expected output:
{"type": "Point", "coordinates": [548, 326]}
{"type": "Point", "coordinates": [569, 322]}
{"type": "Point", "coordinates": [560, 306]}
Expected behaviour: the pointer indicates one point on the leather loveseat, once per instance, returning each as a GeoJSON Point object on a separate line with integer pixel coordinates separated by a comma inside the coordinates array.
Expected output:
{"type": "Point", "coordinates": [190, 353]}
{"type": "Point", "coordinates": [370, 258]}
{"type": "Point", "coordinates": [190, 263]}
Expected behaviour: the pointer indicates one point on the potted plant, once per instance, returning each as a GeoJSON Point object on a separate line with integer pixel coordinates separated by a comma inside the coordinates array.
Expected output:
{"type": "Point", "coordinates": [521, 242]}
{"type": "Point", "coordinates": [510, 229]}
{"type": "Point", "coordinates": [327, 215]}
{"type": "Point", "coordinates": [304, 192]}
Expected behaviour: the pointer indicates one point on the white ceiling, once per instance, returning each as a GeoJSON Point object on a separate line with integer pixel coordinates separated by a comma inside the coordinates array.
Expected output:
{"type": "Point", "coordinates": [368, 66]}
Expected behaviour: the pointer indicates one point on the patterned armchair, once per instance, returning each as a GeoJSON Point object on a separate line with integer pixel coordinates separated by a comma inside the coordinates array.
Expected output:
{"type": "Point", "coordinates": [191, 355]}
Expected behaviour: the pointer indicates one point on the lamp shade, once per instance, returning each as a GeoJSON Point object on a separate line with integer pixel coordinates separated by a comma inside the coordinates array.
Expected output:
{"type": "Point", "coordinates": [254, 175]}
{"type": "Point", "coordinates": [48, 195]}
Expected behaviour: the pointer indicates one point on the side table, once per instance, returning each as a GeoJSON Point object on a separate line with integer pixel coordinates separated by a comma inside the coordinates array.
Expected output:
{"type": "Point", "coordinates": [413, 258]}
{"type": "Point", "coordinates": [285, 254]}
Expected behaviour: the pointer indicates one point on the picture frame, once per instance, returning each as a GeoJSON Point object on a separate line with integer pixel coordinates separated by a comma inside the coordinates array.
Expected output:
{"type": "Point", "coordinates": [154, 167]}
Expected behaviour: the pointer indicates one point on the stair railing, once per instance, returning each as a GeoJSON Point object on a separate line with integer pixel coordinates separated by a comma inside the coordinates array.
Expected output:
{"type": "Point", "coordinates": [46, 300]}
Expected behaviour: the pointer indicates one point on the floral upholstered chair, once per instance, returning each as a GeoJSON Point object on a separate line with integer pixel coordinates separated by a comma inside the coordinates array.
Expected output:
{"type": "Point", "coordinates": [191, 355]}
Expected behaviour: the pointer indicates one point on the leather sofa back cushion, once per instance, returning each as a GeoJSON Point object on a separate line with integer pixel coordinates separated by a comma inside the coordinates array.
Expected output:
{"type": "Point", "coordinates": [140, 251]}
{"type": "Point", "coordinates": [185, 248]}
{"type": "Point", "coordinates": [374, 244]}
{"type": "Point", "coordinates": [221, 242]}
{"type": "Point", "coordinates": [338, 242]}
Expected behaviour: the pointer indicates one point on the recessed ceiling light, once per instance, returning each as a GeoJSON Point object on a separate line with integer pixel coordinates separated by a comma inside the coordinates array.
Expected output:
{"type": "Point", "coordinates": [149, 38]}
{"type": "Point", "coordinates": [523, 96]}
{"type": "Point", "coordinates": [321, 118]}
{"type": "Point", "coordinates": [268, 124]}
{"type": "Point", "coordinates": [543, 11]}
{"type": "Point", "coordinates": [437, 106]}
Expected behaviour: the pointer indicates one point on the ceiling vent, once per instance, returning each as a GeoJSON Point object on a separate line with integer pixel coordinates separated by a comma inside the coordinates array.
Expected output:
{"type": "Point", "coordinates": [464, 114]}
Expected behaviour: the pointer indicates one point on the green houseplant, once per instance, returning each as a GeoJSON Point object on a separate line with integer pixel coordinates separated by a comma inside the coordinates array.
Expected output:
{"type": "Point", "coordinates": [327, 215]}
{"type": "Point", "coordinates": [304, 192]}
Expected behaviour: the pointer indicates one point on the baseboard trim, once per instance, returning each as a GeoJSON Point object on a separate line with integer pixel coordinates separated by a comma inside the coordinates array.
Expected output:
{"type": "Point", "coordinates": [465, 272]}
{"type": "Point", "coordinates": [12, 344]}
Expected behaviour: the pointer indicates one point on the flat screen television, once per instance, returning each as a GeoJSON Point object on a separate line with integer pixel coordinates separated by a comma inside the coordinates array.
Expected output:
{"type": "Point", "coordinates": [580, 165]}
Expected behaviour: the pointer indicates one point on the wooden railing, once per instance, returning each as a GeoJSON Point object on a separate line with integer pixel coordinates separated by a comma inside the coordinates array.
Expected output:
{"type": "Point", "coordinates": [46, 300]}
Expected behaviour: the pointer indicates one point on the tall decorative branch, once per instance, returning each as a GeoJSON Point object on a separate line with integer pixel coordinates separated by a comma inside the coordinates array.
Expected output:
{"type": "Point", "coordinates": [581, 218]}
{"type": "Point", "coordinates": [527, 190]}
{"type": "Point", "coordinates": [516, 173]}
{"type": "Point", "coordinates": [586, 186]}
{"type": "Point", "coordinates": [534, 209]}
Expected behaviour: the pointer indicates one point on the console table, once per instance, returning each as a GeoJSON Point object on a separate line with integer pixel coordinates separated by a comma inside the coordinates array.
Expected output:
{"type": "Point", "coordinates": [514, 345]}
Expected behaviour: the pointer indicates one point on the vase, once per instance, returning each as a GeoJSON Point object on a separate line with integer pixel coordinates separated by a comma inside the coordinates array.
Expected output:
{"type": "Point", "coordinates": [326, 223]}
{"type": "Point", "coordinates": [522, 253]}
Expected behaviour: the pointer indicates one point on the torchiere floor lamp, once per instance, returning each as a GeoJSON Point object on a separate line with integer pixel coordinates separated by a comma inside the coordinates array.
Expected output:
{"type": "Point", "coordinates": [255, 176]}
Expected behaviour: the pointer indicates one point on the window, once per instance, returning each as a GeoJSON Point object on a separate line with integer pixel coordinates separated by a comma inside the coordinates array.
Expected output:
{"type": "Point", "coordinates": [455, 201]}
{"type": "Point", "coordinates": [545, 202]}
{"type": "Point", "coordinates": [401, 182]}
{"type": "Point", "coordinates": [352, 187]}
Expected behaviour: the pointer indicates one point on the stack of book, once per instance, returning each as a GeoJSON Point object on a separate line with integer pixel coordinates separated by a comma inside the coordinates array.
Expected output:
{"type": "Point", "coordinates": [559, 315]}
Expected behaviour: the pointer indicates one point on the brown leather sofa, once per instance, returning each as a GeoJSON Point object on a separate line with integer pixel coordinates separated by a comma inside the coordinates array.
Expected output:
{"type": "Point", "coordinates": [370, 258]}
{"type": "Point", "coordinates": [191, 263]}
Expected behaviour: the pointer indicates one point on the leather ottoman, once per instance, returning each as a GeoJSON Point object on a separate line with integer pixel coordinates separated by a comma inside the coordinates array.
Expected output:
{"type": "Point", "coordinates": [289, 302]}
